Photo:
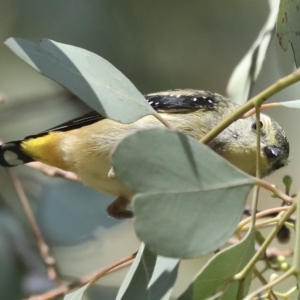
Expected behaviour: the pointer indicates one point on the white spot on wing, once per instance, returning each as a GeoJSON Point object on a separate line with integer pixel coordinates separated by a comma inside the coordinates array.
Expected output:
{"type": "Point", "coordinates": [194, 99]}
{"type": "Point", "coordinates": [209, 101]}
{"type": "Point", "coordinates": [12, 158]}
{"type": "Point", "coordinates": [150, 102]}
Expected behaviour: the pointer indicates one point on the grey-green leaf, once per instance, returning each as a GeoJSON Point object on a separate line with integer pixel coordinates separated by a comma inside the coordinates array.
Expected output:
{"type": "Point", "coordinates": [288, 31]}
{"type": "Point", "coordinates": [246, 72]}
{"type": "Point", "coordinates": [188, 199]}
{"type": "Point", "coordinates": [90, 77]}
{"type": "Point", "coordinates": [291, 104]}
{"type": "Point", "coordinates": [216, 275]}
{"type": "Point", "coordinates": [150, 277]}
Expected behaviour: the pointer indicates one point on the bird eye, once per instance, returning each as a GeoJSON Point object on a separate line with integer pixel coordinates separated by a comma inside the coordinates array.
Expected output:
{"type": "Point", "coordinates": [253, 127]}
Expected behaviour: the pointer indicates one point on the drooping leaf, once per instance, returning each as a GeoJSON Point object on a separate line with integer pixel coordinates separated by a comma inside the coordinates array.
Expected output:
{"type": "Point", "coordinates": [150, 277]}
{"type": "Point", "coordinates": [90, 77]}
{"type": "Point", "coordinates": [288, 31]}
{"type": "Point", "coordinates": [216, 275]}
{"type": "Point", "coordinates": [246, 72]}
{"type": "Point", "coordinates": [188, 199]}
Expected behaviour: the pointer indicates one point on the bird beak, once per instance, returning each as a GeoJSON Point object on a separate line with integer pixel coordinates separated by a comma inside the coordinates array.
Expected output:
{"type": "Point", "coordinates": [272, 152]}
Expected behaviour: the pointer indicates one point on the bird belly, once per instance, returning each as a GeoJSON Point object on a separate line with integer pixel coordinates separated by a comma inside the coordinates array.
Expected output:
{"type": "Point", "coordinates": [89, 156]}
{"type": "Point", "coordinates": [94, 173]}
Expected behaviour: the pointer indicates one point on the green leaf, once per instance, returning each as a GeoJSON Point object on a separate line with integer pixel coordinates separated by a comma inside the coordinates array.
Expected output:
{"type": "Point", "coordinates": [291, 104]}
{"type": "Point", "coordinates": [288, 31]}
{"type": "Point", "coordinates": [188, 199]}
{"type": "Point", "coordinates": [90, 77]}
{"type": "Point", "coordinates": [150, 277]}
{"type": "Point", "coordinates": [259, 237]}
{"type": "Point", "coordinates": [246, 72]}
{"type": "Point", "coordinates": [216, 275]}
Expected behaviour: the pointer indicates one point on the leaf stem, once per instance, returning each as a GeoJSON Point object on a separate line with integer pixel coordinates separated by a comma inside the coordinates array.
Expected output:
{"type": "Point", "coordinates": [163, 121]}
{"type": "Point", "coordinates": [262, 214]}
{"type": "Point", "coordinates": [258, 175]}
{"type": "Point", "coordinates": [264, 223]}
{"type": "Point", "coordinates": [287, 274]}
{"type": "Point", "coordinates": [257, 112]}
{"type": "Point", "coordinates": [266, 243]}
{"type": "Point", "coordinates": [263, 107]}
{"type": "Point", "coordinates": [296, 260]}
{"type": "Point", "coordinates": [281, 195]}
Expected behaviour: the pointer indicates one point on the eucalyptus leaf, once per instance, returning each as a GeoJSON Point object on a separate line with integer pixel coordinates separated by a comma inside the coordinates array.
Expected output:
{"type": "Point", "coordinates": [216, 276]}
{"type": "Point", "coordinates": [288, 32]}
{"type": "Point", "coordinates": [259, 237]}
{"type": "Point", "coordinates": [150, 277]}
{"type": "Point", "coordinates": [90, 77]}
{"type": "Point", "coordinates": [246, 72]}
{"type": "Point", "coordinates": [188, 199]}
{"type": "Point", "coordinates": [291, 104]}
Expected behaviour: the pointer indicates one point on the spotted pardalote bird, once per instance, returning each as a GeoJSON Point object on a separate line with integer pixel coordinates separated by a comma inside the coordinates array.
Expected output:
{"type": "Point", "coordinates": [84, 145]}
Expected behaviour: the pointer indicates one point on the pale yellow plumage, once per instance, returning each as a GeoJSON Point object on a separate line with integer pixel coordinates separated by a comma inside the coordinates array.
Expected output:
{"type": "Point", "coordinates": [87, 150]}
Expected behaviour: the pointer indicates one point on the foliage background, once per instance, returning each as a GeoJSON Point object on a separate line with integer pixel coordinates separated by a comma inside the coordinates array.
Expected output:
{"type": "Point", "coordinates": [158, 45]}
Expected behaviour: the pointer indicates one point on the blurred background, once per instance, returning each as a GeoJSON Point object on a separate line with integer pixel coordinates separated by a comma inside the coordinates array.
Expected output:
{"type": "Point", "coordinates": [158, 45]}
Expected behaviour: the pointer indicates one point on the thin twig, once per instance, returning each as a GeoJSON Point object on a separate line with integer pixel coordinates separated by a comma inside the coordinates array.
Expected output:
{"type": "Point", "coordinates": [45, 252]}
{"type": "Point", "coordinates": [263, 107]}
{"type": "Point", "coordinates": [296, 259]}
{"type": "Point", "coordinates": [268, 212]}
{"type": "Point", "coordinates": [163, 121]}
{"type": "Point", "coordinates": [53, 171]}
{"type": "Point", "coordinates": [241, 275]}
{"type": "Point", "coordinates": [252, 103]}
{"type": "Point", "coordinates": [62, 290]}
{"type": "Point", "coordinates": [268, 186]}
{"type": "Point", "coordinates": [256, 272]}
{"type": "Point", "coordinates": [270, 284]}
{"type": "Point", "coordinates": [2, 98]}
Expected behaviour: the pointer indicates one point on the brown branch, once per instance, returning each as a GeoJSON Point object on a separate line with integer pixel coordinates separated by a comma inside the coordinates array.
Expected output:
{"type": "Point", "coordinates": [46, 255]}
{"type": "Point", "coordinates": [53, 171]}
{"type": "Point", "coordinates": [274, 252]}
{"type": "Point", "coordinates": [62, 290]}
{"type": "Point", "coordinates": [2, 97]}
{"type": "Point", "coordinates": [263, 107]}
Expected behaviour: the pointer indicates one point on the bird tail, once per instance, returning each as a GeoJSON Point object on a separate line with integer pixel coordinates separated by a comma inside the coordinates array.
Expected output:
{"type": "Point", "coordinates": [11, 154]}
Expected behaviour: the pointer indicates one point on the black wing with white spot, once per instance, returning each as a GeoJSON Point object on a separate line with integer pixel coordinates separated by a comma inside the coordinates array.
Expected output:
{"type": "Point", "coordinates": [173, 101]}
{"type": "Point", "coordinates": [168, 101]}
{"type": "Point", "coordinates": [11, 154]}
{"type": "Point", "coordinates": [183, 100]}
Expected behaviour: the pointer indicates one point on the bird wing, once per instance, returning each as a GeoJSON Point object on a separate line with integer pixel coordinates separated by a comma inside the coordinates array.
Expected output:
{"type": "Point", "coordinates": [173, 101]}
